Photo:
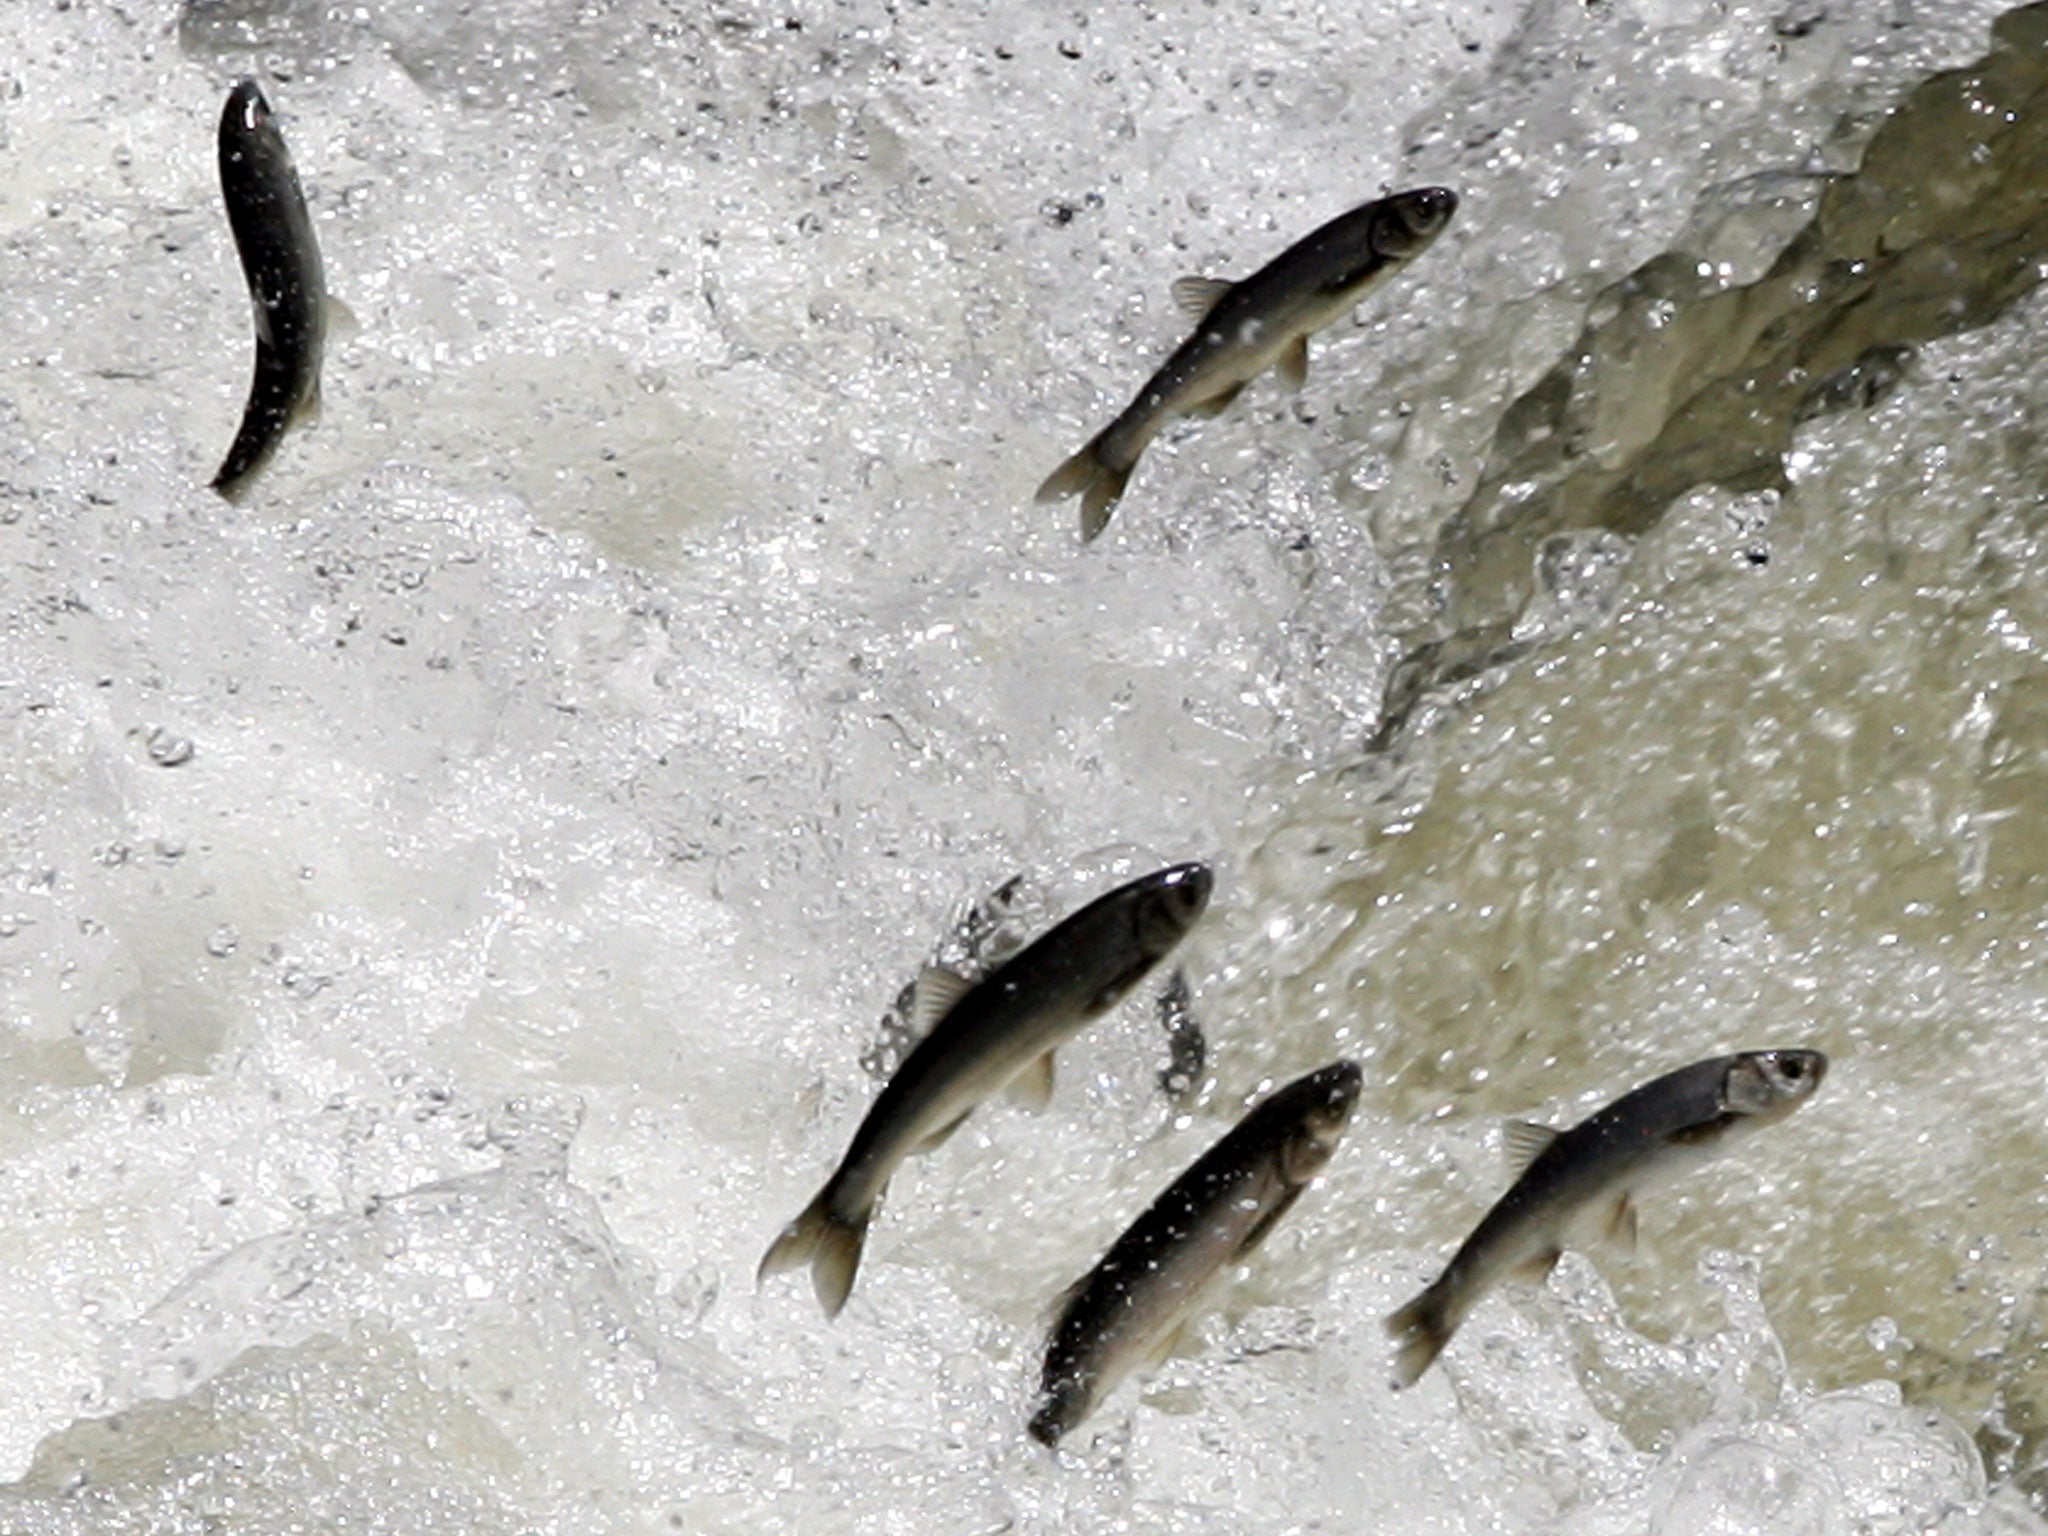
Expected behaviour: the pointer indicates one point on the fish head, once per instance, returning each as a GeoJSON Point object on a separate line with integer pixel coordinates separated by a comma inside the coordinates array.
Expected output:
{"type": "Point", "coordinates": [1772, 1083]}
{"type": "Point", "coordinates": [247, 108]}
{"type": "Point", "coordinates": [1160, 909]}
{"type": "Point", "coordinates": [1327, 1098]}
{"type": "Point", "coordinates": [1167, 906]}
{"type": "Point", "coordinates": [1408, 221]}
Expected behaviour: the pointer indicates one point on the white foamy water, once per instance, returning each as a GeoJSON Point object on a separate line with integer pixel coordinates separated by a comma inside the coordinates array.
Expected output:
{"type": "Point", "coordinates": [444, 902]}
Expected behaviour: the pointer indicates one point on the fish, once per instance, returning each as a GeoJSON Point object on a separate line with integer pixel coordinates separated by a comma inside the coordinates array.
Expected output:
{"type": "Point", "coordinates": [1131, 1308]}
{"type": "Point", "coordinates": [281, 261]}
{"type": "Point", "coordinates": [978, 1038]}
{"type": "Point", "coordinates": [1243, 328]}
{"type": "Point", "coordinates": [1593, 1171]}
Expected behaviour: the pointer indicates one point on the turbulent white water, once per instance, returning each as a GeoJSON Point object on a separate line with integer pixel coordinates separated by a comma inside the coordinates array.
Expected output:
{"type": "Point", "coordinates": [444, 903]}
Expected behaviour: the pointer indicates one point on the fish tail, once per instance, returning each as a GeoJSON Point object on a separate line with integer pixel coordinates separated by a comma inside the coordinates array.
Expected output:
{"type": "Point", "coordinates": [1095, 481]}
{"type": "Point", "coordinates": [1421, 1330]}
{"type": "Point", "coordinates": [276, 401]}
{"type": "Point", "coordinates": [252, 450]}
{"type": "Point", "coordinates": [828, 1242]}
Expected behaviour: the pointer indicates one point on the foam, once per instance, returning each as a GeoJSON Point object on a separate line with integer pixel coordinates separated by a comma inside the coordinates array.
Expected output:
{"type": "Point", "coordinates": [444, 902]}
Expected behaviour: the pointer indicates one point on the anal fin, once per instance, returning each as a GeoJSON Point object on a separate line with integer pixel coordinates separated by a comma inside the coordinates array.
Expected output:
{"type": "Point", "coordinates": [1215, 405]}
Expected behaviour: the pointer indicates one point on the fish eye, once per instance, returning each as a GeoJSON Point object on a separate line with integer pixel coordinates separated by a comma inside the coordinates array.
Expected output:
{"type": "Point", "coordinates": [1794, 1068]}
{"type": "Point", "coordinates": [1432, 208]}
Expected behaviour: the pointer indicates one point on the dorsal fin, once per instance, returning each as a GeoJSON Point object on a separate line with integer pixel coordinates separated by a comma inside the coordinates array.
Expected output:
{"type": "Point", "coordinates": [938, 989]}
{"type": "Point", "coordinates": [1522, 1142]}
{"type": "Point", "coordinates": [1198, 295]}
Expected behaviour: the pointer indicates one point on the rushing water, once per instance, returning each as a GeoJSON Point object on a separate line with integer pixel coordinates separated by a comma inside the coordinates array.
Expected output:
{"type": "Point", "coordinates": [447, 903]}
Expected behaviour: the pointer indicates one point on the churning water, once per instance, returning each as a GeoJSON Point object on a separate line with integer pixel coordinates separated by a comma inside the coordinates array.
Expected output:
{"type": "Point", "coordinates": [446, 903]}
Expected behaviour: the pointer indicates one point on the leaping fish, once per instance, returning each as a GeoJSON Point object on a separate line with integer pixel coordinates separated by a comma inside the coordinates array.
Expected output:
{"type": "Point", "coordinates": [1131, 1306]}
{"type": "Point", "coordinates": [281, 260]}
{"type": "Point", "coordinates": [981, 1036]}
{"type": "Point", "coordinates": [1246, 327]}
{"type": "Point", "coordinates": [1595, 1170]}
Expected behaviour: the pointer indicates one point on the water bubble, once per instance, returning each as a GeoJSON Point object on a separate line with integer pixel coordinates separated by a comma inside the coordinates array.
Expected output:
{"type": "Point", "coordinates": [534, 1131]}
{"type": "Point", "coordinates": [167, 750]}
{"type": "Point", "coordinates": [1742, 1484]}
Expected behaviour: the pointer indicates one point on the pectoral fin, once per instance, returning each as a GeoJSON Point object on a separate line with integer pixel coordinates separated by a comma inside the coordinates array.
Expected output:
{"type": "Point", "coordinates": [1621, 1223]}
{"type": "Point", "coordinates": [1267, 1221]}
{"type": "Point", "coordinates": [1165, 1345]}
{"type": "Point", "coordinates": [938, 1137]}
{"type": "Point", "coordinates": [1033, 1086]}
{"type": "Point", "coordinates": [1293, 364]}
{"type": "Point", "coordinates": [342, 324]}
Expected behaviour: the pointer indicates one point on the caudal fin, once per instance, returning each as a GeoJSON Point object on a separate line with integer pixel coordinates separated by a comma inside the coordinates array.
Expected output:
{"type": "Point", "coordinates": [1421, 1330]}
{"type": "Point", "coordinates": [828, 1243]}
{"type": "Point", "coordinates": [1098, 486]}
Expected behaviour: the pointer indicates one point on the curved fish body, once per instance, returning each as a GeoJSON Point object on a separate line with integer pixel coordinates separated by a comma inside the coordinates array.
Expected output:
{"type": "Point", "coordinates": [981, 1037]}
{"type": "Point", "coordinates": [1247, 327]}
{"type": "Point", "coordinates": [1592, 1172]}
{"type": "Point", "coordinates": [281, 260]}
{"type": "Point", "coordinates": [1129, 1309]}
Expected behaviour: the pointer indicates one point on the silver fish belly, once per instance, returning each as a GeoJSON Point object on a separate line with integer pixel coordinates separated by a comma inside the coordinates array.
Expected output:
{"type": "Point", "coordinates": [281, 261]}
{"type": "Point", "coordinates": [1247, 327]}
{"type": "Point", "coordinates": [1132, 1305]}
{"type": "Point", "coordinates": [1593, 1170]}
{"type": "Point", "coordinates": [983, 1036]}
